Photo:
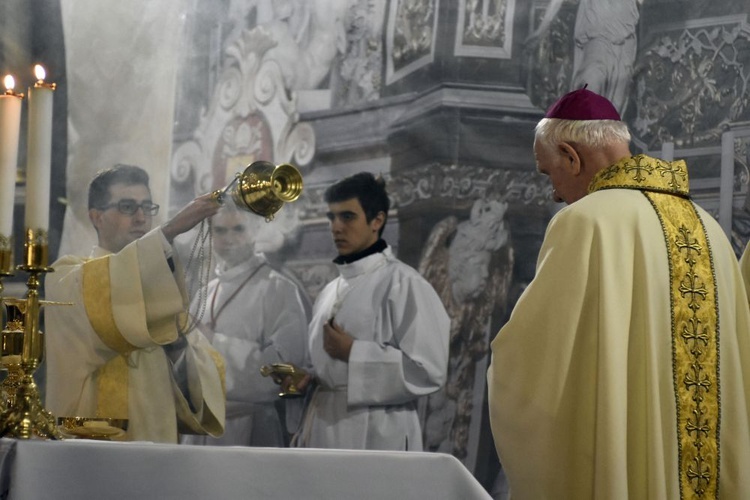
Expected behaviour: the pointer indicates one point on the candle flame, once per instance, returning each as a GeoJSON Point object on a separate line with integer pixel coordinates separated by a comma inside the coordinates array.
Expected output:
{"type": "Point", "coordinates": [9, 82]}
{"type": "Point", "coordinates": [39, 72]}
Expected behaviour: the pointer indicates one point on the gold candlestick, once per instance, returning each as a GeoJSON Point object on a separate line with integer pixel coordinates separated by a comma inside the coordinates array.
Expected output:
{"type": "Point", "coordinates": [26, 417]}
{"type": "Point", "coordinates": [12, 349]}
{"type": "Point", "coordinates": [9, 342]}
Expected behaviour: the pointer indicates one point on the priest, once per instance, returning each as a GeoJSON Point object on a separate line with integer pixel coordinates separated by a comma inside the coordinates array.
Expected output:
{"type": "Point", "coordinates": [124, 349]}
{"type": "Point", "coordinates": [624, 369]}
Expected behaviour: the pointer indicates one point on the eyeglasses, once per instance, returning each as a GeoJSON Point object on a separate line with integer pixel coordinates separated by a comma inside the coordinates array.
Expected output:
{"type": "Point", "coordinates": [130, 207]}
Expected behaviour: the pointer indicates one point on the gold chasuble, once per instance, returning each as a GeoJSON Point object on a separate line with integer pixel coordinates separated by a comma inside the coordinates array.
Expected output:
{"type": "Point", "coordinates": [694, 314]}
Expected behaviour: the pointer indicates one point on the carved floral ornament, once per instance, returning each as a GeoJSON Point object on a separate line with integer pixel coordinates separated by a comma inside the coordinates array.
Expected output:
{"type": "Point", "coordinates": [742, 164]}
{"type": "Point", "coordinates": [469, 183]}
{"type": "Point", "coordinates": [413, 30]}
{"type": "Point", "coordinates": [691, 83]}
{"type": "Point", "coordinates": [251, 117]}
{"type": "Point", "coordinates": [688, 84]}
{"type": "Point", "coordinates": [455, 182]}
{"type": "Point", "coordinates": [485, 28]}
{"type": "Point", "coordinates": [410, 40]}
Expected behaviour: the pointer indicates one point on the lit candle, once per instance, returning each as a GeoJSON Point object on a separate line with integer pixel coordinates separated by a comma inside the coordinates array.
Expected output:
{"type": "Point", "coordinates": [39, 153]}
{"type": "Point", "coordinates": [10, 124]}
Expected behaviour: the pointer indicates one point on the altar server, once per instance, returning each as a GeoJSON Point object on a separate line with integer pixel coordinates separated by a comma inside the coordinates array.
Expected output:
{"type": "Point", "coordinates": [254, 315]}
{"type": "Point", "coordinates": [378, 336]}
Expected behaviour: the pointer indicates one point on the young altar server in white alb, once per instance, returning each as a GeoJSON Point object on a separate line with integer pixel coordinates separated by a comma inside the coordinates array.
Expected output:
{"type": "Point", "coordinates": [624, 369]}
{"type": "Point", "coordinates": [379, 334]}
{"type": "Point", "coordinates": [119, 351]}
{"type": "Point", "coordinates": [254, 316]}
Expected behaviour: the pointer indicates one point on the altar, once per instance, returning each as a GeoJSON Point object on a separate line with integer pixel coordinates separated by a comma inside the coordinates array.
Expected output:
{"type": "Point", "coordinates": [83, 469]}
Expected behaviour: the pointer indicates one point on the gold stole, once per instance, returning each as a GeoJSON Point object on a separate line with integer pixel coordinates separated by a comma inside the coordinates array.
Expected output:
{"type": "Point", "coordinates": [694, 310]}
{"type": "Point", "coordinates": [112, 383]}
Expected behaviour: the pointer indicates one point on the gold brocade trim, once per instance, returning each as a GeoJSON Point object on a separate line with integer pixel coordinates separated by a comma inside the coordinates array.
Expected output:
{"type": "Point", "coordinates": [644, 173]}
{"type": "Point", "coordinates": [695, 344]}
{"type": "Point", "coordinates": [113, 378]}
{"type": "Point", "coordinates": [694, 314]}
{"type": "Point", "coordinates": [97, 299]}
{"type": "Point", "coordinates": [220, 367]}
{"type": "Point", "coordinates": [112, 389]}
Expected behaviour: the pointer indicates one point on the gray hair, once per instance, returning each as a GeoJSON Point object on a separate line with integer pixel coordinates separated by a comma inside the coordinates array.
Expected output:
{"type": "Point", "coordinates": [592, 133]}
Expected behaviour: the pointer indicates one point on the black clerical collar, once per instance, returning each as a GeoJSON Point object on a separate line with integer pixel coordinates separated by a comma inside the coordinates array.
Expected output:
{"type": "Point", "coordinates": [376, 247]}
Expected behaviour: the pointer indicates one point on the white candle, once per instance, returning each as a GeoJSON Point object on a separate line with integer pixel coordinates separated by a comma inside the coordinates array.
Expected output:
{"type": "Point", "coordinates": [10, 124]}
{"type": "Point", "coordinates": [39, 153]}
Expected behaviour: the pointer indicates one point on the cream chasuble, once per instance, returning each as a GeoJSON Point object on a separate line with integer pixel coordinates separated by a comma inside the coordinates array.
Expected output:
{"type": "Point", "coordinates": [606, 380]}
{"type": "Point", "coordinates": [105, 356]}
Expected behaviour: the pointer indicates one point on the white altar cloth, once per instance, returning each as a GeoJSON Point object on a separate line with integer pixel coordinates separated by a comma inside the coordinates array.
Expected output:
{"type": "Point", "coordinates": [82, 469]}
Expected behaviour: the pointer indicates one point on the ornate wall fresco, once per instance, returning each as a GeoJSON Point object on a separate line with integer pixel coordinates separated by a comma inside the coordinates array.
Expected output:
{"type": "Point", "coordinates": [439, 97]}
{"type": "Point", "coordinates": [410, 39]}
{"type": "Point", "coordinates": [691, 82]}
{"type": "Point", "coordinates": [485, 28]}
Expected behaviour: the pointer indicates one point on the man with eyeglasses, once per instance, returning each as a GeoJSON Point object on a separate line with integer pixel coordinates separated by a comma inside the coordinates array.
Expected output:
{"type": "Point", "coordinates": [124, 349]}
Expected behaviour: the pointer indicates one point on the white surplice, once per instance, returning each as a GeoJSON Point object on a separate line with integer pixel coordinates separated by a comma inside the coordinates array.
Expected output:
{"type": "Point", "coordinates": [254, 316]}
{"type": "Point", "coordinates": [400, 352]}
{"type": "Point", "coordinates": [139, 297]}
{"type": "Point", "coordinates": [582, 401]}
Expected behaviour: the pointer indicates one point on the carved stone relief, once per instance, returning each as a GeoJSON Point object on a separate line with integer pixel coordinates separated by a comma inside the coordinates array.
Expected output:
{"type": "Point", "coordinates": [692, 82]}
{"type": "Point", "coordinates": [410, 40]}
{"type": "Point", "coordinates": [448, 181]}
{"type": "Point", "coordinates": [740, 233]}
{"type": "Point", "coordinates": [485, 28]}
{"type": "Point", "coordinates": [251, 117]}
{"type": "Point", "coordinates": [550, 57]}
{"type": "Point", "coordinates": [357, 77]}
{"type": "Point", "coordinates": [470, 265]}
{"type": "Point", "coordinates": [470, 182]}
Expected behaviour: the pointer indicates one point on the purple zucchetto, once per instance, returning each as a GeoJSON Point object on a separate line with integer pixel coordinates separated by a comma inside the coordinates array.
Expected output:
{"type": "Point", "coordinates": [582, 104]}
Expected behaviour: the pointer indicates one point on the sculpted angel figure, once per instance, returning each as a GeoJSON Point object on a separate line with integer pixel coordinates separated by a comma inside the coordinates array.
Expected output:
{"type": "Point", "coordinates": [605, 45]}
{"type": "Point", "coordinates": [470, 265]}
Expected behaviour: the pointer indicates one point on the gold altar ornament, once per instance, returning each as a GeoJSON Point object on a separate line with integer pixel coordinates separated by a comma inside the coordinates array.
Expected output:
{"type": "Point", "coordinates": [263, 188]}
{"type": "Point", "coordinates": [279, 371]}
{"type": "Point", "coordinates": [23, 415]}
{"type": "Point", "coordinates": [11, 351]}
{"type": "Point", "coordinates": [101, 429]}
